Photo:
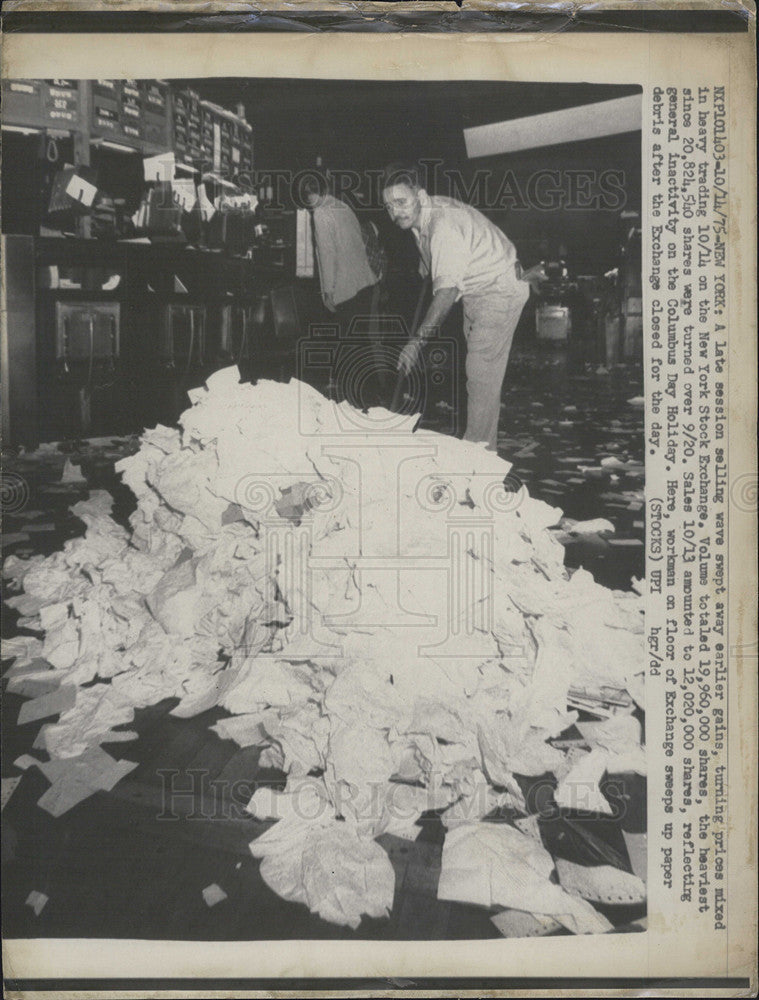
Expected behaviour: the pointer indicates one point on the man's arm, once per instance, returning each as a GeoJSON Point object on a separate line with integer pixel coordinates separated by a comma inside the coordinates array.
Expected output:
{"type": "Point", "coordinates": [441, 305]}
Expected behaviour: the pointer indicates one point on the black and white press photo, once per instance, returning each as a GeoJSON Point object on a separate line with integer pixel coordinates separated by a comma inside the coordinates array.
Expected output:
{"type": "Point", "coordinates": [323, 509]}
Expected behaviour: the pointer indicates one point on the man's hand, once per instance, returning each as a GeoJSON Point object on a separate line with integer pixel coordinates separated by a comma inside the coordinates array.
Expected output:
{"type": "Point", "coordinates": [442, 300]}
{"type": "Point", "coordinates": [410, 355]}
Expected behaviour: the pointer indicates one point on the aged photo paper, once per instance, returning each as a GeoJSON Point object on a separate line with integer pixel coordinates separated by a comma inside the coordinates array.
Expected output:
{"type": "Point", "coordinates": [639, 698]}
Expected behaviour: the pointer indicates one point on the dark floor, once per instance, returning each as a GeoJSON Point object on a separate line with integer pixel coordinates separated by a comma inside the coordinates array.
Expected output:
{"type": "Point", "coordinates": [117, 865]}
{"type": "Point", "coordinates": [559, 421]}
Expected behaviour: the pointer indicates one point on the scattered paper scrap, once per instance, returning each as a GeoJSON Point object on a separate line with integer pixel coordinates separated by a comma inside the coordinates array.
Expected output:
{"type": "Point", "coordinates": [33, 685]}
{"type": "Point", "coordinates": [579, 789]}
{"type": "Point", "coordinates": [637, 851]}
{"type": "Point", "coordinates": [37, 901]}
{"type": "Point", "coordinates": [63, 796]}
{"type": "Point", "coordinates": [9, 786]}
{"type": "Point", "coordinates": [23, 647]}
{"type": "Point", "coordinates": [25, 761]}
{"type": "Point", "coordinates": [339, 875]}
{"type": "Point", "coordinates": [518, 924]}
{"type": "Point", "coordinates": [74, 779]}
{"type": "Point", "coordinates": [213, 894]}
{"type": "Point", "coordinates": [595, 526]}
{"type": "Point", "coordinates": [493, 864]}
{"type": "Point", "coordinates": [58, 701]}
{"type": "Point", "coordinates": [72, 473]}
{"type": "Point", "coordinates": [601, 883]}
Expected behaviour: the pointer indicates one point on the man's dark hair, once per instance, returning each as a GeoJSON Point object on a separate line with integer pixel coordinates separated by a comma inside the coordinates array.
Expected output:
{"type": "Point", "coordinates": [400, 173]}
{"type": "Point", "coordinates": [312, 182]}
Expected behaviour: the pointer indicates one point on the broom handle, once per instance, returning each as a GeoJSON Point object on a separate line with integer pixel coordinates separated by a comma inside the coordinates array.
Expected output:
{"type": "Point", "coordinates": [419, 304]}
{"type": "Point", "coordinates": [400, 381]}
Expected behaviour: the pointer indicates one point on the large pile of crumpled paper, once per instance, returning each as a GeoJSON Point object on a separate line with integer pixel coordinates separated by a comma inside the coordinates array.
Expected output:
{"type": "Point", "coordinates": [378, 610]}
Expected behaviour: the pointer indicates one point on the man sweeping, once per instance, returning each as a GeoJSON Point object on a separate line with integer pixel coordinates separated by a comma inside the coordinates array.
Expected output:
{"type": "Point", "coordinates": [467, 258]}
